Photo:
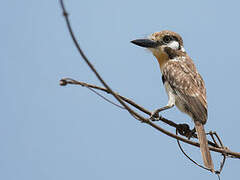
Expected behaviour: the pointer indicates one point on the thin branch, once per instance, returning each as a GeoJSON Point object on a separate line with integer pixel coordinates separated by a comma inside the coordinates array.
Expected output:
{"type": "Point", "coordinates": [66, 81]}
{"type": "Point", "coordinates": [180, 147]}
{"type": "Point", "coordinates": [213, 138]}
{"type": "Point", "coordinates": [133, 113]}
{"type": "Point", "coordinates": [106, 99]}
{"type": "Point", "coordinates": [222, 163]}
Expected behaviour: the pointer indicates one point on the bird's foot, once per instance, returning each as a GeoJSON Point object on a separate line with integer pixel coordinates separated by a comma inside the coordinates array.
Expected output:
{"type": "Point", "coordinates": [185, 130]}
{"type": "Point", "coordinates": [155, 115]}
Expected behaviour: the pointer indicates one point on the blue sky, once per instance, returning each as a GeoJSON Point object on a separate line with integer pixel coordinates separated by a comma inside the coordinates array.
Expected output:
{"type": "Point", "coordinates": [51, 132]}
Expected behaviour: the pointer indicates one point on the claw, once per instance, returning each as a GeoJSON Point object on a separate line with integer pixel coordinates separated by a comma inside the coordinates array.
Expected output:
{"type": "Point", "coordinates": [185, 130]}
{"type": "Point", "coordinates": [154, 115]}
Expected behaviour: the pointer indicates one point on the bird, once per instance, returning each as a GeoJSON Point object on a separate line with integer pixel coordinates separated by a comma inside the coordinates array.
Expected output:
{"type": "Point", "coordinates": [184, 85]}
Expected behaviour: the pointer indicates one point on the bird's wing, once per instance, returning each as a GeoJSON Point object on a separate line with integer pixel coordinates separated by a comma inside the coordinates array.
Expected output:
{"type": "Point", "coordinates": [189, 86]}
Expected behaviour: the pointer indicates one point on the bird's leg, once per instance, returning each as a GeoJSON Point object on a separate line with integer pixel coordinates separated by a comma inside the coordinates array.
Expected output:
{"type": "Point", "coordinates": [155, 113]}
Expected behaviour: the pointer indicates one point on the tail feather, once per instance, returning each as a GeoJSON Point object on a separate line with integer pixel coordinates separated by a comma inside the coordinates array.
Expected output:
{"type": "Point", "coordinates": [207, 159]}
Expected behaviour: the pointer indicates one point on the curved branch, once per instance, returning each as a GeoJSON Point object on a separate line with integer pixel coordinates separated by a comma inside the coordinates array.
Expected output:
{"type": "Point", "coordinates": [65, 81]}
{"type": "Point", "coordinates": [133, 113]}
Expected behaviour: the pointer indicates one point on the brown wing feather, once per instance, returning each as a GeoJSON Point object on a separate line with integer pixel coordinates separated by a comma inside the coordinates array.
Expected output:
{"type": "Point", "coordinates": [188, 85]}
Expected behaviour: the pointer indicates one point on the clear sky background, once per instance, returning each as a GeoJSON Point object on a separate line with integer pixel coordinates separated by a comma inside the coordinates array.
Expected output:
{"type": "Point", "coordinates": [59, 133]}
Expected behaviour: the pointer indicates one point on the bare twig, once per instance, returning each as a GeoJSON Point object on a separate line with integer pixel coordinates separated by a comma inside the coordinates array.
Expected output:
{"type": "Point", "coordinates": [66, 81]}
{"type": "Point", "coordinates": [217, 172]}
{"type": "Point", "coordinates": [180, 147]}
{"type": "Point", "coordinates": [213, 138]}
{"type": "Point", "coordinates": [133, 113]}
{"type": "Point", "coordinates": [212, 134]}
{"type": "Point", "coordinates": [222, 163]}
{"type": "Point", "coordinates": [219, 140]}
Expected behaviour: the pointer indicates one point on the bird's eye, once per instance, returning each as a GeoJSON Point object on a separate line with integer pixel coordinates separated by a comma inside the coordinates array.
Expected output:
{"type": "Point", "coordinates": [167, 39]}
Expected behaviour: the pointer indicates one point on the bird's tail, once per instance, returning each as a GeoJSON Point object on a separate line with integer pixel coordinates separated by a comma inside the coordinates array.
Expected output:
{"type": "Point", "coordinates": [207, 159]}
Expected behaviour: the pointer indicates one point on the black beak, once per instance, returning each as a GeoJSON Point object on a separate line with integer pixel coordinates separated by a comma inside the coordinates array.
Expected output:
{"type": "Point", "coordinates": [147, 43]}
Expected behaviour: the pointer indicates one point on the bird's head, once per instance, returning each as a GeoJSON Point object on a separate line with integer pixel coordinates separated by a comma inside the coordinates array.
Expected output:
{"type": "Point", "coordinates": [164, 45]}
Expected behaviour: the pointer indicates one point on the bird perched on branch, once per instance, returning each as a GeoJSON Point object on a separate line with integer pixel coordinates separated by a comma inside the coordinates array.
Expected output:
{"type": "Point", "coordinates": [184, 85]}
